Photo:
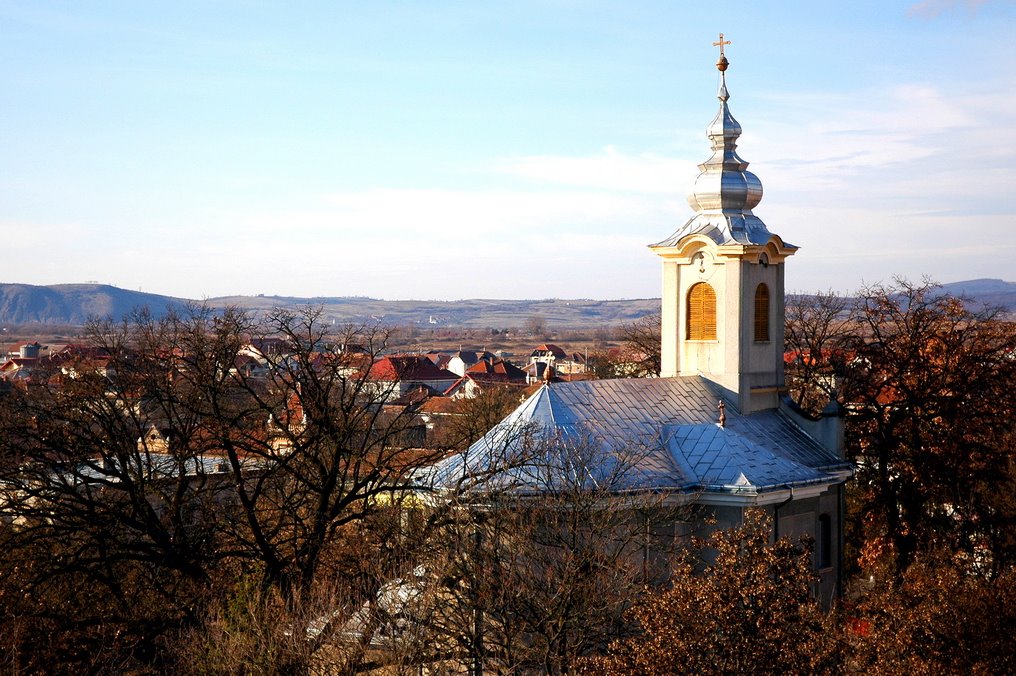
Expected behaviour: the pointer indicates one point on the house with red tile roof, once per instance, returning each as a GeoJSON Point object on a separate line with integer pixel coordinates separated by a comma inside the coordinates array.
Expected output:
{"type": "Point", "coordinates": [393, 376]}
{"type": "Point", "coordinates": [75, 358]}
{"type": "Point", "coordinates": [17, 368]}
{"type": "Point", "coordinates": [547, 353]}
{"type": "Point", "coordinates": [484, 374]}
{"type": "Point", "coordinates": [463, 360]}
{"type": "Point", "coordinates": [440, 359]}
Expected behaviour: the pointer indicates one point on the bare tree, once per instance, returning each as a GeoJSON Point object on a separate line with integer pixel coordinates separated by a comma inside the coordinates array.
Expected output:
{"type": "Point", "coordinates": [640, 346]}
{"type": "Point", "coordinates": [173, 452]}
{"type": "Point", "coordinates": [471, 418]}
{"type": "Point", "coordinates": [540, 565]}
{"type": "Point", "coordinates": [816, 328]}
{"type": "Point", "coordinates": [638, 356]}
{"type": "Point", "coordinates": [536, 325]}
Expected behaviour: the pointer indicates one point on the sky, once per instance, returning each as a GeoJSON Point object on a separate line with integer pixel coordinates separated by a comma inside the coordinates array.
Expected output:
{"type": "Point", "coordinates": [444, 150]}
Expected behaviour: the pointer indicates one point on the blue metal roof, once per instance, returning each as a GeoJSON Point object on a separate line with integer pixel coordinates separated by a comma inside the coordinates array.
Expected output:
{"type": "Point", "coordinates": [640, 434]}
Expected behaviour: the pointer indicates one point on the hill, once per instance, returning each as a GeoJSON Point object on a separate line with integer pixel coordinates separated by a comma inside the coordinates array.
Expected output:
{"type": "Point", "coordinates": [74, 304]}
{"type": "Point", "coordinates": [989, 292]}
{"type": "Point", "coordinates": [475, 313]}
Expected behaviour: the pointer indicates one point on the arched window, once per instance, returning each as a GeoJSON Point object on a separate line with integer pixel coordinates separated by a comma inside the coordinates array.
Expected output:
{"type": "Point", "coordinates": [701, 312]}
{"type": "Point", "coordinates": [762, 314]}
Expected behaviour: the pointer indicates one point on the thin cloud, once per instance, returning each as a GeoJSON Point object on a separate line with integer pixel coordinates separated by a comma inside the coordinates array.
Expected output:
{"type": "Point", "coordinates": [930, 9]}
{"type": "Point", "coordinates": [610, 170]}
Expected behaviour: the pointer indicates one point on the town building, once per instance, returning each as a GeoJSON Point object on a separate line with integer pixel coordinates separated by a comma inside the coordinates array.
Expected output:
{"type": "Point", "coordinates": [393, 376]}
{"type": "Point", "coordinates": [487, 374]}
{"type": "Point", "coordinates": [463, 360]}
{"type": "Point", "coordinates": [547, 354]}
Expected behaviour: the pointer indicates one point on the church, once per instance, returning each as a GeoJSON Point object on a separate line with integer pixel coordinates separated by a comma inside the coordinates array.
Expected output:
{"type": "Point", "coordinates": [715, 429]}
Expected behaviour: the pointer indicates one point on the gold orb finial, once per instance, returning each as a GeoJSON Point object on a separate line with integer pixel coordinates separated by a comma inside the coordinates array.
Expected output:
{"type": "Point", "coordinates": [721, 63]}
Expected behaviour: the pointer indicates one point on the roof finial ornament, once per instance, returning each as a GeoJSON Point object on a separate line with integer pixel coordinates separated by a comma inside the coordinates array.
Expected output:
{"type": "Point", "coordinates": [722, 406]}
{"type": "Point", "coordinates": [721, 63]}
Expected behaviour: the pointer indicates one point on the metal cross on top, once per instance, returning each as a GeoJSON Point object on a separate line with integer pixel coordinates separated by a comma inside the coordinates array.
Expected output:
{"type": "Point", "coordinates": [720, 44]}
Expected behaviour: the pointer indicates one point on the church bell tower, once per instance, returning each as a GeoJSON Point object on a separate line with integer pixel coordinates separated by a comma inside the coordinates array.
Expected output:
{"type": "Point", "coordinates": [723, 277]}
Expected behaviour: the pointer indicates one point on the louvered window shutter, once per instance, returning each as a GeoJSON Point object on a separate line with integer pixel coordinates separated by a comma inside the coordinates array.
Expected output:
{"type": "Point", "coordinates": [761, 313]}
{"type": "Point", "coordinates": [701, 312]}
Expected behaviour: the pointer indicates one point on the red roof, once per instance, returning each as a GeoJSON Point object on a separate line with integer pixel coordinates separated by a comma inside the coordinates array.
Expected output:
{"type": "Point", "coordinates": [549, 348]}
{"type": "Point", "coordinates": [82, 351]}
{"type": "Point", "coordinates": [270, 345]}
{"type": "Point", "coordinates": [414, 396]}
{"type": "Point", "coordinates": [408, 367]}
{"type": "Point", "coordinates": [15, 363]}
{"type": "Point", "coordinates": [439, 405]}
{"type": "Point", "coordinates": [496, 370]}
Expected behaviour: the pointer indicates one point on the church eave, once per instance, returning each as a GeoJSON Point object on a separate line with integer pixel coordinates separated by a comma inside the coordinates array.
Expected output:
{"type": "Point", "coordinates": [748, 495]}
{"type": "Point", "coordinates": [770, 496]}
{"type": "Point", "coordinates": [682, 249]}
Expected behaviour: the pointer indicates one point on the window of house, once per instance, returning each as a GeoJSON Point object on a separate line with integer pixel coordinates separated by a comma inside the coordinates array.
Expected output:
{"type": "Point", "coordinates": [701, 312]}
{"type": "Point", "coordinates": [762, 314]}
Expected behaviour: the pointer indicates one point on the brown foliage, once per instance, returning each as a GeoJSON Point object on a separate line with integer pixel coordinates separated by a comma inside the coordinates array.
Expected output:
{"type": "Point", "coordinates": [937, 619]}
{"type": "Point", "coordinates": [931, 401]}
{"type": "Point", "coordinates": [747, 610]}
{"type": "Point", "coordinates": [926, 380]}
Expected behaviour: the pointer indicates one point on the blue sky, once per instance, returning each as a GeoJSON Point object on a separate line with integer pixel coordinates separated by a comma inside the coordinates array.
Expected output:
{"type": "Point", "coordinates": [443, 150]}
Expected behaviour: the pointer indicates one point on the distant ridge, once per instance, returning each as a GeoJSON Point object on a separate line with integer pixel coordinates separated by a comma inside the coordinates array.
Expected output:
{"type": "Point", "coordinates": [74, 304]}
{"type": "Point", "coordinates": [989, 292]}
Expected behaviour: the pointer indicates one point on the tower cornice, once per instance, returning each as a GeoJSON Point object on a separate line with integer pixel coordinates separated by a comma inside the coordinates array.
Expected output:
{"type": "Point", "coordinates": [682, 252]}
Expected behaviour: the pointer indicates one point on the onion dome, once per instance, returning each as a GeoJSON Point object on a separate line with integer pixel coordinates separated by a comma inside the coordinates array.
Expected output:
{"type": "Point", "coordinates": [725, 184]}
{"type": "Point", "coordinates": [725, 191]}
